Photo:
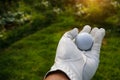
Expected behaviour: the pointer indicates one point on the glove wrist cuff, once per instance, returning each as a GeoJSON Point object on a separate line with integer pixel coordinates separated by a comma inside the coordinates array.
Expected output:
{"type": "Point", "coordinates": [71, 75]}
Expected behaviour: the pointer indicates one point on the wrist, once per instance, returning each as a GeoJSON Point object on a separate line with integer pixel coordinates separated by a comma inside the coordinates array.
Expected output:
{"type": "Point", "coordinates": [56, 75]}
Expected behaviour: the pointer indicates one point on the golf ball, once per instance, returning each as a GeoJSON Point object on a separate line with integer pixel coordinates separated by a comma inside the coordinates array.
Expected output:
{"type": "Point", "coordinates": [84, 41]}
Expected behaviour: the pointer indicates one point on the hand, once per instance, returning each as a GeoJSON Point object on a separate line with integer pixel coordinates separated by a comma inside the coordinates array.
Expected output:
{"type": "Point", "coordinates": [77, 64]}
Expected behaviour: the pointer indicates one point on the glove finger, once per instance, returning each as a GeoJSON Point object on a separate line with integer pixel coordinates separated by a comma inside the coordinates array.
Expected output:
{"type": "Point", "coordinates": [93, 32]}
{"type": "Point", "coordinates": [71, 34]}
{"type": "Point", "coordinates": [98, 37]}
{"type": "Point", "coordinates": [86, 28]}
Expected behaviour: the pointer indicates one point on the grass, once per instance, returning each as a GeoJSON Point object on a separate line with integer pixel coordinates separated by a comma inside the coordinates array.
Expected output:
{"type": "Point", "coordinates": [31, 57]}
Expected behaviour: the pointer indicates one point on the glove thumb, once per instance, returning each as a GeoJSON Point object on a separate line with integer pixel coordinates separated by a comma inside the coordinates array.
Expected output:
{"type": "Point", "coordinates": [71, 34]}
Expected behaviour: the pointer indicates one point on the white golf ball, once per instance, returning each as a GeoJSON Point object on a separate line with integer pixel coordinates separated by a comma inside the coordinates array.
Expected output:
{"type": "Point", "coordinates": [84, 41]}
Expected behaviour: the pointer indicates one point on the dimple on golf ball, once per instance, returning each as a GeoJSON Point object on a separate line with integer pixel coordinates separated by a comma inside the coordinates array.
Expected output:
{"type": "Point", "coordinates": [84, 41]}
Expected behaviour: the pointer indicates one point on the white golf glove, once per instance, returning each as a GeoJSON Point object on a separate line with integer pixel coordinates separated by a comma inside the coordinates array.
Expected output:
{"type": "Point", "coordinates": [77, 64]}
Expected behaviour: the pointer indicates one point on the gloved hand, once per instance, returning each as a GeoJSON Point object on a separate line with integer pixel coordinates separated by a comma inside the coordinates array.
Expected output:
{"type": "Point", "coordinates": [77, 64]}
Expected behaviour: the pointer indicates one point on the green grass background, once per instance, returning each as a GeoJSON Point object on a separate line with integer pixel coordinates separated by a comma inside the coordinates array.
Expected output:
{"type": "Point", "coordinates": [31, 57]}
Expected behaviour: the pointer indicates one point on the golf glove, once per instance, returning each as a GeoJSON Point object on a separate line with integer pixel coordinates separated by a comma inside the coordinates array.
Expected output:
{"type": "Point", "coordinates": [77, 64]}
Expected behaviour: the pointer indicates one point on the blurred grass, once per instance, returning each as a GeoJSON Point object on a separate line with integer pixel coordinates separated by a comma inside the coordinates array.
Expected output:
{"type": "Point", "coordinates": [31, 57]}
